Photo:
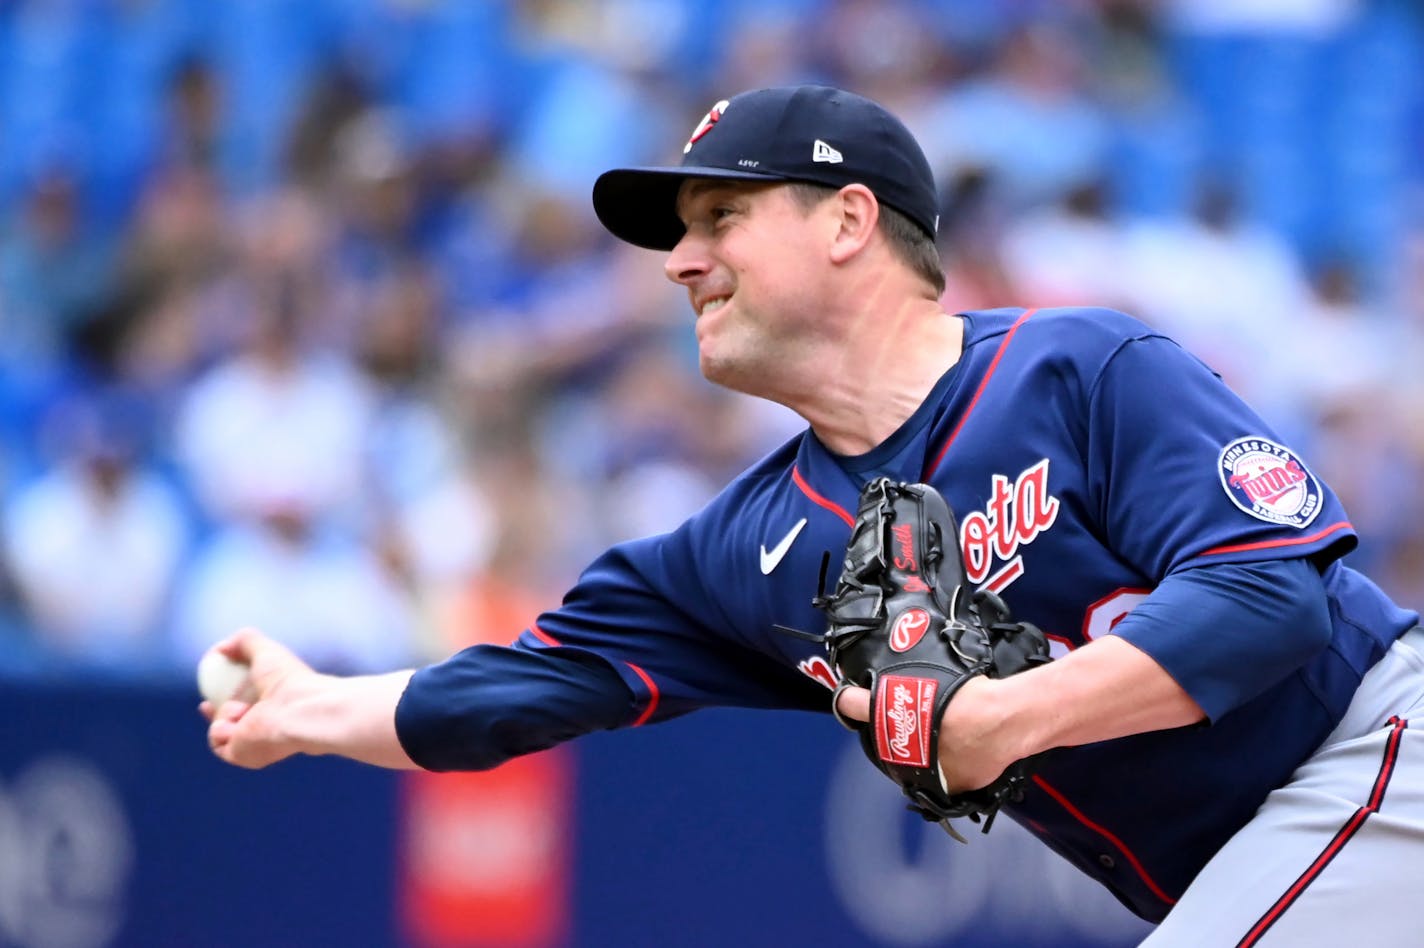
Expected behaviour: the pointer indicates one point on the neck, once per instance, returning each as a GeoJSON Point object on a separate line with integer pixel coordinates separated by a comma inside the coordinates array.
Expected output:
{"type": "Point", "coordinates": [877, 380]}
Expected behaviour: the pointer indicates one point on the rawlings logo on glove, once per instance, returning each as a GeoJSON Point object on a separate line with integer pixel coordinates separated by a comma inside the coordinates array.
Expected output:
{"type": "Point", "coordinates": [907, 631]}
{"type": "Point", "coordinates": [903, 622]}
{"type": "Point", "coordinates": [906, 719]}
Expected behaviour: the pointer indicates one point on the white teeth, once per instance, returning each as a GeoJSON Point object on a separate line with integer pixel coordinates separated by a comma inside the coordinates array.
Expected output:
{"type": "Point", "coordinates": [710, 305]}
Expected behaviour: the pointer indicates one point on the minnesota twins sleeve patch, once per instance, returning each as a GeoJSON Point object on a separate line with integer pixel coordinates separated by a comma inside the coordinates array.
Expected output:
{"type": "Point", "coordinates": [1267, 481]}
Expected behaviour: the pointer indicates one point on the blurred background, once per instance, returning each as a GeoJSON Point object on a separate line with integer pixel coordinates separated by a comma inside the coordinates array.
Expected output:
{"type": "Point", "coordinates": [306, 322]}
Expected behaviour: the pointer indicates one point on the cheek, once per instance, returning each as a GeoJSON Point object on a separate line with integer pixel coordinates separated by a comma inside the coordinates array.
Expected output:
{"type": "Point", "coordinates": [782, 302]}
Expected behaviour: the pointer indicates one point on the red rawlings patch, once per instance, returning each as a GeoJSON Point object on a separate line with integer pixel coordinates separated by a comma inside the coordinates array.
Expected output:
{"type": "Point", "coordinates": [908, 629]}
{"type": "Point", "coordinates": [904, 706]}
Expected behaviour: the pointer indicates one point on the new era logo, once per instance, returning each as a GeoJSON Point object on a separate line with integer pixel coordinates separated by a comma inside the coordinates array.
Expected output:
{"type": "Point", "coordinates": [824, 152]}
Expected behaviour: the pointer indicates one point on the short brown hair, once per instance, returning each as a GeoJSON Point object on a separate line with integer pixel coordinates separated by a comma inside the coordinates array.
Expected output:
{"type": "Point", "coordinates": [915, 248]}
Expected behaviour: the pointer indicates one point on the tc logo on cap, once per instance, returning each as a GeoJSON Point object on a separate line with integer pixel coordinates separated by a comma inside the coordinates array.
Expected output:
{"type": "Point", "coordinates": [705, 126]}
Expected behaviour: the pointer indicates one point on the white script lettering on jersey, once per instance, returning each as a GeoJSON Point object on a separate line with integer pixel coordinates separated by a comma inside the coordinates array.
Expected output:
{"type": "Point", "coordinates": [1017, 512]}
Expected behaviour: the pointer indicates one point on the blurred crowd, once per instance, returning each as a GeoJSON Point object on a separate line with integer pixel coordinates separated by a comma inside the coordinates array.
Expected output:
{"type": "Point", "coordinates": [306, 323]}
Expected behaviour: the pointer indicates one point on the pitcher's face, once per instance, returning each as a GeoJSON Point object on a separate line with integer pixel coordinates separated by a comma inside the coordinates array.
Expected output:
{"type": "Point", "coordinates": [750, 264]}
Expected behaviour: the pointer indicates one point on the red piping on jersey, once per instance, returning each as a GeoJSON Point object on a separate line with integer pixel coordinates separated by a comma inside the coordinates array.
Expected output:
{"type": "Point", "coordinates": [816, 498]}
{"type": "Point", "coordinates": [983, 383]}
{"type": "Point", "coordinates": [1107, 835]}
{"type": "Point", "coordinates": [544, 637]}
{"type": "Point", "coordinates": [1269, 544]}
{"type": "Point", "coordinates": [1011, 571]}
{"type": "Point", "coordinates": [1351, 827]}
{"type": "Point", "coordinates": [653, 695]}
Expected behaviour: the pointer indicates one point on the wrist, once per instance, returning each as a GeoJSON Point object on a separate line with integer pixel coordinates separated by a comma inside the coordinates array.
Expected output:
{"type": "Point", "coordinates": [978, 737]}
{"type": "Point", "coordinates": [308, 707]}
{"type": "Point", "coordinates": [349, 716]}
{"type": "Point", "coordinates": [1030, 720]}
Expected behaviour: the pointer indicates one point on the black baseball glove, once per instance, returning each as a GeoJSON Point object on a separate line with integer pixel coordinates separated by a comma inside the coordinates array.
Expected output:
{"type": "Point", "coordinates": [903, 622]}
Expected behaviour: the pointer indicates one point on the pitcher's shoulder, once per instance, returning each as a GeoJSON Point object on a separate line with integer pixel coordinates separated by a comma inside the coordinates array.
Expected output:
{"type": "Point", "coordinates": [1086, 330]}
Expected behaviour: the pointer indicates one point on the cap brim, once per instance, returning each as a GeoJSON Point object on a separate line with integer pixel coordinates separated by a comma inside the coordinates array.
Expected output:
{"type": "Point", "coordinates": [639, 205]}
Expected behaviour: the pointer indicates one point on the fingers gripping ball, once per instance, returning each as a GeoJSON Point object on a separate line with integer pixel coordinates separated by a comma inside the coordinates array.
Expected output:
{"type": "Point", "coordinates": [220, 679]}
{"type": "Point", "coordinates": [903, 622]}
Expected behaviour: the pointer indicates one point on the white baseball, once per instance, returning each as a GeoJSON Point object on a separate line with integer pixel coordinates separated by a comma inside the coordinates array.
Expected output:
{"type": "Point", "coordinates": [219, 677]}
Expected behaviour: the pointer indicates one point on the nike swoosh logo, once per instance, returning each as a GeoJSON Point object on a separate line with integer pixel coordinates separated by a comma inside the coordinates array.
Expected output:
{"type": "Point", "coordinates": [769, 559]}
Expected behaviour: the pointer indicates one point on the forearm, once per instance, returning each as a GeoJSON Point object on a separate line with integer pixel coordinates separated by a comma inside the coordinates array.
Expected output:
{"type": "Point", "coordinates": [1204, 642]}
{"type": "Point", "coordinates": [350, 717]}
{"type": "Point", "coordinates": [1104, 690]}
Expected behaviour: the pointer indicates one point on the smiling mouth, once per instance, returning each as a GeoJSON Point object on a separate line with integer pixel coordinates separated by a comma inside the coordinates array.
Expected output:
{"type": "Point", "coordinates": [711, 305]}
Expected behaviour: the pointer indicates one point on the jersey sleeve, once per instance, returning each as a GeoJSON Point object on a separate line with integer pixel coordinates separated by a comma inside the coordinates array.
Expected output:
{"type": "Point", "coordinates": [1196, 492]}
{"type": "Point", "coordinates": [645, 635]}
{"type": "Point", "coordinates": [1226, 632]}
{"type": "Point", "coordinates": [1184, 473]}
{"type": "Point", "coordinates": [666, 614]}
{"type": "Point", "coordinates": [488, 703]}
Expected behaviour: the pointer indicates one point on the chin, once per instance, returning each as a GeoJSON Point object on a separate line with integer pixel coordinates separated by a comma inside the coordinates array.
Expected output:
{"type": "Point", "coordinates": [712, 368]}
{"type": "Point", "coordinates": [730, 374]}
{"type": "Point", "coordinates": [715, 368]}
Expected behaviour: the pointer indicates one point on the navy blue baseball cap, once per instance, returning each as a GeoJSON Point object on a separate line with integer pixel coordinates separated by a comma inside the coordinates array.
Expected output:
{"type": "Point", "coordinates": [790, 133]}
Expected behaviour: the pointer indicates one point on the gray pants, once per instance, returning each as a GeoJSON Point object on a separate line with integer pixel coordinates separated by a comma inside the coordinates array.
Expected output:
{"type": "Point", "coordinates": [1336, 856]}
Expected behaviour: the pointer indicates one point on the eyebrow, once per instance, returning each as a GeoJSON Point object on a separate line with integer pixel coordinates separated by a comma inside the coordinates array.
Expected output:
{"type": "Point", "coordinates": [693, 187]}
{"type": "Point", "coordinates": [696, 187]}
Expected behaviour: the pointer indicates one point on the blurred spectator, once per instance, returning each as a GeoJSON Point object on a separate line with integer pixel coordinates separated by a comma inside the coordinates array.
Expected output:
{"type": "Point", "coordinates": [562, 308]}
{"type": "Point", "coordinates": [533, 531]}
{"type": "Point", "coordinates": [54, 273]}
{"type": "Point", "coordinates": [278, 423]}
{"type": "Point", "coordinates": [1337, 359]}
{"type": "Point", "coordinates": [1220, 284]}
{"type": "Point", "coordinates": [177, 238]}
{"type": "Point", "coordinates": [374, 193]}
{"type": "Point", "coordinates": [334, 102]}
{"type": "Point", "coordinates": [766, 50]}
{"type": "Point", "coordinates": [971, 235]}
{"type": "Point", "coordinates": [653, 462]}
{"type": "Point", "coordinates": [94, 544]}
{"type": "Point", "coordinates": [434, 527]}
{"type": "Point", "coordinates": [148, 331]}
{"type": "Point", "coordinates": [192, 137]}
{"type": "Point", "coordinates": [1027, 119]}
{"type": "Point", "coordinates": [1067, 253]}
{"type": "Point", "coordinates": [398, 352]}
{"type": "Point", "coordinates": [516, 580]}
{"type": "Point", "coordinates": [328, 597]}
{"type": "Point", "coordinates": [881, 49]}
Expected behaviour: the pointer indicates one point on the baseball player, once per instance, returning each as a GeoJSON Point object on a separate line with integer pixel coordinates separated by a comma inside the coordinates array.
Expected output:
{"type": "Point", "coordinates": [1224, 732]}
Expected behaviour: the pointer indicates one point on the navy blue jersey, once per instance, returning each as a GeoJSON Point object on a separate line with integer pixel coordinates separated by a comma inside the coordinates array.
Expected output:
{"type": "Point", "coordinates": [1089, 460]}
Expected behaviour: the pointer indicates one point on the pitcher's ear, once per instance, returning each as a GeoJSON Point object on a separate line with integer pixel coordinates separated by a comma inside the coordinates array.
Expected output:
{"type": "Point", "coordinates": [859, 216]}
